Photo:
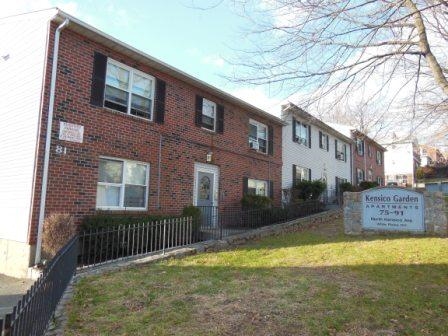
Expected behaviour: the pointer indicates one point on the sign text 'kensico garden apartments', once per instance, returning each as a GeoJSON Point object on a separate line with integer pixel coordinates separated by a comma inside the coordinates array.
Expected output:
{"type": "Point", "coordinates": [393, 209]}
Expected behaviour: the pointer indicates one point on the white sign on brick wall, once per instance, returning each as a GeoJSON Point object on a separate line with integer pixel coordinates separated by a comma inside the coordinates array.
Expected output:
{"type": "Point", "coordinates": [393, 209]}
{"type": "Point", "coordinates": [71, 132]}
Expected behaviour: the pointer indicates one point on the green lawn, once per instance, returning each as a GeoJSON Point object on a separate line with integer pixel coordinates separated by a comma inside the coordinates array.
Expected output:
{"type": "Point", "coordinates": [315, 282]}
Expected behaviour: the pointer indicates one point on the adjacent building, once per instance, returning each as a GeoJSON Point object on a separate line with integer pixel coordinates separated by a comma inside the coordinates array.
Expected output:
{"type": "Point", "coordinates": [368, 156]}
{"type": "Point", "coordinates": [401, 162]}
{"type": "Point", "coordinates": [430, 155]}
{"type": "Point", "coordinates": [91, 124]}
{"type": "Point", "coordinates": [312, 150]}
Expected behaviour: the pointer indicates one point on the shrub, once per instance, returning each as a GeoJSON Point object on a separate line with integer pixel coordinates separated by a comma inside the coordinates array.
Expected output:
{"type": "Point", "coordinates": [57, 231]}
{"type": "Point", "coordinates": [106, 219]}
{"type": "Point", "coordinates": [346, 186]}
{"type": "Point", "coordinates": [364, 185]}
{"type": "Point", "coordinates": [250, 201]}
{"type": "Point", "coordinates": [307, 190]}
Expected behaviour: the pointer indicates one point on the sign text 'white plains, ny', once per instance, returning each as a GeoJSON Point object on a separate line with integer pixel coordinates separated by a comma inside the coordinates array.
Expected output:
{"type": "Point", "coordinates": [393, 209]}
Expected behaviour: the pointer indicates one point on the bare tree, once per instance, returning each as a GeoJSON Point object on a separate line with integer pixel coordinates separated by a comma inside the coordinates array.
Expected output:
{"type": "Point", "coordinates": [342, 51]}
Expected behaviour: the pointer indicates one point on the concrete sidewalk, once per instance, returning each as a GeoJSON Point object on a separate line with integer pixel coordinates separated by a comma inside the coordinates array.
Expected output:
{"type": "Point", "coordinates": [11, 291]}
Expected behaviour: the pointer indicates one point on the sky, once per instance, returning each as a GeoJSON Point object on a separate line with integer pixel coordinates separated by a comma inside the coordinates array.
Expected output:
{"type": "Point", "coordinates": [195, 36]}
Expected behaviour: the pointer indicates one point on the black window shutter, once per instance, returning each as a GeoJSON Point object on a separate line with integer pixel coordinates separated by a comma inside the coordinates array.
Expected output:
{"type": "Point", "coordinates": [245, 185]}
{"type": "Point", "coordinates": [220, 121]}
{"type": "Point", "coordinates": [270, 140]}
{"type": "Point", "coordinates": [294, 174]}
{"type": "Point", "coordinates": [271, 189]}
{"type": "Point", "coordinates": [336, 148]}
{"type": "Point", "coordinates": [328, 143]}
{"type": "Point", "coordinates": [98, 79]}
{"type": "Point", "coordinates": [345, 153]}
{"type": "Point", "coordinates": [294, 139]}
{"type": "Point", "coordinates": [198, 111]}
{"type": "Point", "coordinates": [309, 136]}
{"type": "Point", "coordinates": [309, 174]}
{"type": "Point", "coordinates": [320, 140]}
{"type": "Point", "coordinates": [159, 101]}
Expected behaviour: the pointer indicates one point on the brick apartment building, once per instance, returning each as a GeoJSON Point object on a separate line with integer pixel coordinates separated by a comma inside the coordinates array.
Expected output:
{"type": "Point", "coordinates": [367, 156]}
{"type": "Point", "coordinates": [128, 133]}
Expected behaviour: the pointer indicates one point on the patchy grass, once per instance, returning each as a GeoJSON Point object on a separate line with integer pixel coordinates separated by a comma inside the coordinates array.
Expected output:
{"type": "Point", "coordinates": [316, 282]}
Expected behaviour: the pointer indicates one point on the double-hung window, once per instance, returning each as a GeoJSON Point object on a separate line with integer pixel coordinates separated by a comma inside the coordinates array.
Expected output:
{"type": "Point", "coordinates": [340, 150]}
{"type": "Point", "coordinates": [257, 187]}
{"type": "Point", "coordinates": [301, 173]}
{"type": "Point", "coordinates": [379, 157]}
{"type": "Point", "coordinates": [209, 115]}
{"type": "Point", "coordinates": [359, 175]}
{"type": "Point", "coordinates": [323, 141]}
{"type": "Point", "coordinates": [302, 132]}
{"type": "Point", "coordinates": [258, 136]}
{"type": "Point", "coordinates": [128, 90]}
{"type": "Point", "coordinates": [122, 184]}
{"type": "Point", "coordinates": [360, 146]}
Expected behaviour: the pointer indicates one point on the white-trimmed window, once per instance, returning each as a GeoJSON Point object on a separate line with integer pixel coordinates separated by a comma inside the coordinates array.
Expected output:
{"type": "Point", "coordinates": [258, 136]}
{"type": "Point", "coordinates": [379, 180]}
{"type": "Point", "coordinates": [209, 114]}
{"type": "Point", "coordinates": [257, 187]}
{"type": "Point", "coordinates": [340, 150]}
{"type": "Point", "coordinates": [128, 90]}
{"type": "Point", "coordinates": [302, 133]}
{"type": "Point", "coordinates": [379, 157]}
{"type": "Point", "coordinates": [301, 173]}
{"type": "Point", "coordinates": [323, 141]}
{"type": "Point", "coordinates": [369, 175]}
{"type": "Point", "coordinates": [359, 175]}
{"type": "Point", "coordinates": [122, 184]}
{"type": "Point", "coordinates": [360, 146]}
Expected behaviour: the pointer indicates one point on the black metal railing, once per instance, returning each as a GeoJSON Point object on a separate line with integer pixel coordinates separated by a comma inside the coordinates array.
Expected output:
{"type": "Point", "coordinates": [218, 223]}
{"type": "Point", "coordinates": [33, 312]}
{"type": "Point", "coordinates": [99, 246]}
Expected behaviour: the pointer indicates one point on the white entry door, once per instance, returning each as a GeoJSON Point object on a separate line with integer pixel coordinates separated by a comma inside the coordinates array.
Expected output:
{"type": "Point", "coordinates": [205, 193]}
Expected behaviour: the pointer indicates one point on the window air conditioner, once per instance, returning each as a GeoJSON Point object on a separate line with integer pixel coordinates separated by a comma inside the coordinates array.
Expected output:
{"type": "Point", "coordinates": [254, 144]}
{"type": "Point", "coordinates": [341, 156]}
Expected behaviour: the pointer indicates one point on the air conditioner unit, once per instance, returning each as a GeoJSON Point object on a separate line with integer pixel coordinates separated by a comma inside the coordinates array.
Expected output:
{"type": "Point", "coordinates": [254, 144]}
{"type": "Point", "coordinates": [341, 156]}
{"type": "Point", "coordinates": [301, 140]}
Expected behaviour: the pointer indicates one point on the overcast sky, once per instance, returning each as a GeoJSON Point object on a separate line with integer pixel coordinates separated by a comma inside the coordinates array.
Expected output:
{"type": "Point", "coordinates": [196, 36]}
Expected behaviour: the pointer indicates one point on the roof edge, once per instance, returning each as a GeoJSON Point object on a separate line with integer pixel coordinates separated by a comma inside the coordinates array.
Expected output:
{"type": "Point", "coordinates": [164, 67]}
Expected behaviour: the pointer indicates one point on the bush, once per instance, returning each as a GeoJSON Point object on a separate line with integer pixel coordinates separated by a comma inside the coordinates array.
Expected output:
{"type": "Point", "coordinates": [364, 185]}
{"type": "Point", "coordinates": [57, 231]}
{"type": "Point", "coordinates": [250, 201]}
{"type": "Point", "coordinates": [107, 219]}
{"type": "Point", "coordinates": [195, 213]}
{"type": "Point", "coordinates": [307, 190]}
{"type": "Point", "coordinates": [346, 186]}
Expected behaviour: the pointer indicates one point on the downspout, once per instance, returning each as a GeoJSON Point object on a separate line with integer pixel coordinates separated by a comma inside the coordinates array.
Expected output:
{"type": "Point", "coordinates": [43, 194]}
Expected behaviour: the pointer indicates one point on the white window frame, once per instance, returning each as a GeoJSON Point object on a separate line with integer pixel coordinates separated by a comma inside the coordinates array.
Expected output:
{"type": "Point", "coordinates": [379, 180]}
{"type": "Point", "coordinates": [299, 138]}
{"type": "Point", "coordinates": [323, 140]}
{"type": "Point", "coordinates": [360, 175]}
{"type": "Point", "coordinates": [341, 150]}
{"type": "Point", "coordinates": [266, 186]}
{"type": "Point", "coordinates": [122, 186]}
{"type": "Point", "coordinates": [132, 72]}
{"type": "Point", "coordinates": [360, 146]}
{"type": "Point", "coordinates": [379, 159]}
{"type": "Point", "coordinates": [304, 170]}
{"type": "Point", "coordinates": [370, 175]}
{"type": "Point", "coordinates": [259, 124]}
{"type": "Point", "coordinates": [215, 108]}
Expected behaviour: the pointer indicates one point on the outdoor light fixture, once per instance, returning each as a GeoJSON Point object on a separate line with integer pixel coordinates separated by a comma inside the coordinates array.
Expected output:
{"type": "Point", "coordinates": [209, 156]}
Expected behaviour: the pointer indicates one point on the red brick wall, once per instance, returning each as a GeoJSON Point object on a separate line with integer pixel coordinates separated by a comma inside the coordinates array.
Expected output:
{"type": "Point", "coordinates": [366, 162]}
{"type": "Point", "coordinates": [73, 177]}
